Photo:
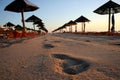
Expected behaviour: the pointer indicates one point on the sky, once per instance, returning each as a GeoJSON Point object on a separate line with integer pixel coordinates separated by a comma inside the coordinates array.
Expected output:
{"type": "Point", "coordinates": [55, 13]}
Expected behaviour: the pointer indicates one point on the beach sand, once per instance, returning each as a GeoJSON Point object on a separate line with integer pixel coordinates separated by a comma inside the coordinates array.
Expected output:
{"type": "Point", "coordinates": [60, 57]}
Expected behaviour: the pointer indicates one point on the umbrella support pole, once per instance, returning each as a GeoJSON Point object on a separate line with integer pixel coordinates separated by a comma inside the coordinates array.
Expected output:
{"type": "Point", "coordinates": [76, 28]}
{"type": "Point", "coordinates": [33, 26]}
{"type": "Point", "coordinates": [23, 19]}
{"type": "Point", "coordinates": [81, 28]}
{"type": "Point", "coordinates": [109, 20]}
{"type": "Point", "coordinates": [113, 23]}
{"type": "Point", "coordinates": [84, 26]}
{"type": "Point", "coordinates": [66, 29]}
{"type": "Point", "coordinates": [71, 29]}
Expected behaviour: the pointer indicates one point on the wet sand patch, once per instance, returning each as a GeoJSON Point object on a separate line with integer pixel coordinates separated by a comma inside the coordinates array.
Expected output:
{"type": "Point", "coordinates": [70, 65]}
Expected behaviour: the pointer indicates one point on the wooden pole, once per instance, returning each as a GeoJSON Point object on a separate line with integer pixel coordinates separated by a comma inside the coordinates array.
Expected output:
{"type": "Point", "coordinates": [76, 28]}
{"type": "Point", "coordinates": [33, 26]}
{"type": "Point", "coordinates": [22, 13]}
{"type": "Point", "coordinates": [66, 29]}
{"type": "Point", "coordinates": [109, 19]}
{"type": "Point", "coordinates": [71, 28]}
{"type": "Point", "coordinates": [84, 26]}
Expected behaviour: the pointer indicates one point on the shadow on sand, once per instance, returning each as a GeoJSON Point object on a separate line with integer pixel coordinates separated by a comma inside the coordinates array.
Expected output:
{"type": "Point", "coordinates": [8, 42]}
{"type": "Point", "coordinates": [72, 65]}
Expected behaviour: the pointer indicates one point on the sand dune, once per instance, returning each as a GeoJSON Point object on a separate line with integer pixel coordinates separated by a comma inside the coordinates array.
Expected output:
{"type": "Point", "coordinates": [61, 57]}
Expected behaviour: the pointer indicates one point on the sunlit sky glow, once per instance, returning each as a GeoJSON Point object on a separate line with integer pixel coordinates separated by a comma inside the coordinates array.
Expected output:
{"type": "Point", "coordinates": [55, 13]}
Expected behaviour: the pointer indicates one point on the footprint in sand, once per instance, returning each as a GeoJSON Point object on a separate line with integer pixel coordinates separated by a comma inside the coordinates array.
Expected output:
{"type": "Point", "coordinates": [48, 46]}
{"type": "Point", "coordinates": [56, 41]}
{"type": "Point", "coordinates": [72, 65]}
{"type": "Point", "coordinates": [117, 44]}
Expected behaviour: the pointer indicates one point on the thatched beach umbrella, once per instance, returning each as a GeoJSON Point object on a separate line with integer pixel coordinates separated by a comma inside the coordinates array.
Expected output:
{"type": "Point", "coordinates": [21, 6]}
{"type": "Point", "coordinates": [59, 28]}
{"type": "Point", "coordinates": [82, 19]}
{"type": "Point", "coordinates": [64, 26]}
{"type": "Point", "coordinates": [9, 24]}
{"type": "Point", "coordinates": [33, 19]}
{"type": "Point", "coordinates": [18, 27]}
{"type": "Point", "coordinates": [108, 8]}
{"type": "Point", "coordinates": [71, 23]}
{"type": "Point", "coordinates": [40, 24]}
{"type": "Point", "coordinates": [43, 28]}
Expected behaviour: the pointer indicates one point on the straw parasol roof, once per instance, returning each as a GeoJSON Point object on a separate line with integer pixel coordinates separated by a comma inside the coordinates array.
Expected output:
{"type": "Point", "coordinates": [19, 5]}
{"type": "Point", "coordinates": [82, 19]}
{"type": "Point", "coordinates": [33, 18]}
{"type": "Point", "coordinates": [9, 24]}
{"type": "Point", "coordinates": [104, 9]}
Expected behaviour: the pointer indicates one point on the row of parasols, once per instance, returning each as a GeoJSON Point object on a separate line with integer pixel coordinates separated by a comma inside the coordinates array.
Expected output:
{"type": "Point", "coordinates": [71, 23]}
{"type": "Point", "coordinates": [25, 6]}
{"type": "Point", "coordinates": [36, 21]}
{"type": "Point", "coordinates": [109, 7]}
{"type": "Point", "coordinates": [21, 6]}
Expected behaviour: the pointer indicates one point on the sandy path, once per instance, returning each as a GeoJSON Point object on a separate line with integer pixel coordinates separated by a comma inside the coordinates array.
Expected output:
{"type": "Point", "coordinates": [33, 59]}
